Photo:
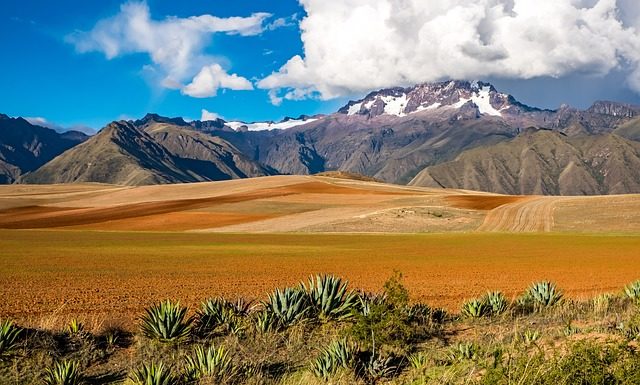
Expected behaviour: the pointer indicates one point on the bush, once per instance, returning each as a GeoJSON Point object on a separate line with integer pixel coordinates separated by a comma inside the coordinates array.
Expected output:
{"type": "Point", "coordinates": [383, 320]}
{"type": "Point", "coordinates": [211, 363]}
{"type": "Point", "coordinates": [153, 374]}
{"type": "Point", "coordinates": [329, 297]}
{"type": "Point", "coordinates": [63, 373]}
{"type": "Point", "coordinates": [166, 322]}
{"type": "Point", "coordinates": [9, 334]}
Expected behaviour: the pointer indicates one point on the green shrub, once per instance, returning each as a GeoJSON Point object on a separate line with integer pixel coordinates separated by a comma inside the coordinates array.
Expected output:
{"type": "Point", "coordinates": [632, 291]}
{"type": "Point", "coordinates": [211, 363]}
{"type": "Point", "coordinates": [153, 374]}
{"type": "Point", "coordinates": [166, 322]}
{"type": "Point", "coordinates": [63, 373]}
{"type": "Point", "coordinates": [339, 354]}
{"type": "Point", "coordinates": [475, 308]}
{"type": "Point", "coordinates": [74, 327]}
{"type": "Point", "coordinates": [383, 319]}
{"type": "Point", "coordinates": [9, 334]}
{"type": "Point", "coordinates": [543, 294]}
{"type": "Point", "coordinates": [329, 297]}
{"type": "Point", "coordinates": [418, 360]}
{"type": "Point", "coordinates": [287, 307]}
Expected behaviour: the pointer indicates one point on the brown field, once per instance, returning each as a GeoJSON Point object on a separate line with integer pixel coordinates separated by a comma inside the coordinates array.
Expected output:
{"type": "Point", "coordinates": [107, 251]}
{"type": "Point", "coordinates": [307, 204]}
{"type": "Point", "coordinates": [54, 275]}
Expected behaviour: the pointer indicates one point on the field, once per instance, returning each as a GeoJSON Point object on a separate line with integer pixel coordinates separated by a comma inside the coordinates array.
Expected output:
{"type": "Point", "coordinates": [55, 276]}
{"type": "Point", "coordinates": [80, 264]}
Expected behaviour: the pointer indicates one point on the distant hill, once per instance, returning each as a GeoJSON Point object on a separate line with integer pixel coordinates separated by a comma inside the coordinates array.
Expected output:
{"type": "Point", "coordinates": [543, 162]}
{"type": "Point", "coordinates": [24, 147]}
{"type": "Point", "coordinates": [123, 153]}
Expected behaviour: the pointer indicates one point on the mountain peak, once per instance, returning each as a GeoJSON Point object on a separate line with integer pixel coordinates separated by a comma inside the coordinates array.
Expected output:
{"type": "Point", "coordinates": [616, 109]}
{"type": "Point", "coordinates": [155, 118]}
{"type": "Point", "coordinates": [432, 96]}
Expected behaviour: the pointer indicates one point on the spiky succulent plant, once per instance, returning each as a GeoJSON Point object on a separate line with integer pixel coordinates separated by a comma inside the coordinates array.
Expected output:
{"type": "Point", "coordinates": [544, 294]}
{"type": "Point", "coordinates": [153, 374]}
{"type": "Point", "coordinates": [496, 302]}
{"type": "Point", "coordinates": [63, 373]}
{"type": "Point", "coordinates": [475, 308]}
{"type": "Point", "coordinates": [166, 322]}
{"type": "Point", "coordinates": [339, 354]}
{"type": "Point", "coordinates": [287, 306]}
{"type": "Point", "coordinates": [9, 334]}
{"type": "Point", "coordinates": [329, 298]}
{"type": "Point", "coordinates": [211, 363]}
{"type": "Point", "coordinates": [632, 291]}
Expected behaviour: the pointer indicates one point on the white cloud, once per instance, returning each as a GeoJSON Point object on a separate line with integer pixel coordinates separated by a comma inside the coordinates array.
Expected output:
{"type": "Point", "coordinates": [358, 45]}
{"type": "Point", "coordinates": [175, 45]}
{"type": "Point", "coordinates": [206, 115]}
{"type": "Point", "coordinates": [207, 82]}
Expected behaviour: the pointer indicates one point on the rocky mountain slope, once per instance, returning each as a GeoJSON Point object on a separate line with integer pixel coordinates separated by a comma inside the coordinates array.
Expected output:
{"type": "Point", "coordinates": [125, 153]}
{"type": "Point", "coordinates": [543, 162]}
{"type": "Point", "coordinates": [455, 134]}
{"type": "Point", "coordinates": [24, 147]}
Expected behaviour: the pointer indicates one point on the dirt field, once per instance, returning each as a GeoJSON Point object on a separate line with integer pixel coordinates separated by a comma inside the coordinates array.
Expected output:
{"type": "Point", "coordinates": [307, 204]}
{"type": "Point", "coordinates": [51, 276]}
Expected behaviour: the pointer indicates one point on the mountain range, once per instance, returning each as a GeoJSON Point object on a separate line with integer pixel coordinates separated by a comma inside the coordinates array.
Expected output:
{"type": "Point", "coordinates": [455, 134]}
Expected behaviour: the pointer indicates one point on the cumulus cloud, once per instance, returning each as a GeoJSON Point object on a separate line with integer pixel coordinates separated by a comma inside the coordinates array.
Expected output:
{"type": "Point", "coordinates": [175, 45]}
{"type": "Point", "coordinates": [358, 45]}
{"type": "Point", "coordinates": [207, 115]}
{"type": "Point", "coordinates": [211, 78]}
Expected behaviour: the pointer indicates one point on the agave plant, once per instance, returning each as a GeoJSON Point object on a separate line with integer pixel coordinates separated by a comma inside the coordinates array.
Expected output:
{"type": "Point", "coordinates": [211, 363]}
{"type": "Point", "coordinates": [377, 368]}
{"type": "Point", "coordinates": [463, 351]}
{"type": "Point", "coordinates": [496, 302]}
{"type": "Point", "coordinates": [418, 360]}
{"type": "Point", "coordinates": [544, 294]}
{"type": "Point", "coordinates": [530, 336]}
{"type": "Point", "coordinates": [75, 327]}
{"type": "Point", "coordinates": [475, 308]}
{"type": "Point", "coordinates": [367, 300]}
{"type": "Point", "coordinates": [63, 373]}
{"type": "Point", "coordinates": [166, 322]}
{"type": "Point", "coordinates": [419, 313]}
{"type": "Point", "coordinates": [153, 374]}
{"type": "Point", "coordinates": [9, 334]}
{"type": "Point", "coordinates": [265, 321]}
{"type": "Point", "coordinates": [329, 297]}
{"type": "Point", "coordinates": [632, 291]}
{"type": "Point", "coordinates": [217, 312]}
{"type": "Point", "coordinates": [339, 354]}
{"type": "Point", "coordinates": [287, 306]}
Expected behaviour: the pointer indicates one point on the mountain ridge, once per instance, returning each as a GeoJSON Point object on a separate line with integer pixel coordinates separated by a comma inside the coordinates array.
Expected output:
{"type": "Point", "coordinates": [393, 135]}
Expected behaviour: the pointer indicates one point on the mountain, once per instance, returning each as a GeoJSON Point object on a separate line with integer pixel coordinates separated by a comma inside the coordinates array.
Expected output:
{"type": "Point", "coordinates": [454, 133]}
{"type": "Point", "coordinates": [125, 153]}
{"type": "Point", "coordinates": [543, 162]}
{"type": "Point", "coordinates": [24, 147]}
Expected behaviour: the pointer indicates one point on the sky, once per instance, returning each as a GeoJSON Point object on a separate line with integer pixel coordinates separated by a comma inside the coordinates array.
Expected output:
{"type": "Point", "coordinates": [75, 64]}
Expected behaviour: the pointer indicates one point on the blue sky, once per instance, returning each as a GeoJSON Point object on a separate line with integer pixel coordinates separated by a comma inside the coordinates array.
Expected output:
{"type": "Point", "coordinates": [52, 66]}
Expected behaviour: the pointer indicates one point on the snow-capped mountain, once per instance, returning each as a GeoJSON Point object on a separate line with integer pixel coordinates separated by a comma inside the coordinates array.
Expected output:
{"type": "Point", "coordinates": [262, 126]}
{"type": "Point", "coordinates": [434, 96]}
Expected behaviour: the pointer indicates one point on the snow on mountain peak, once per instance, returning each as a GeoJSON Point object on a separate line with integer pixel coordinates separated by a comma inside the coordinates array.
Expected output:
{"type": "Point", "coordinates": [430, 96]}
